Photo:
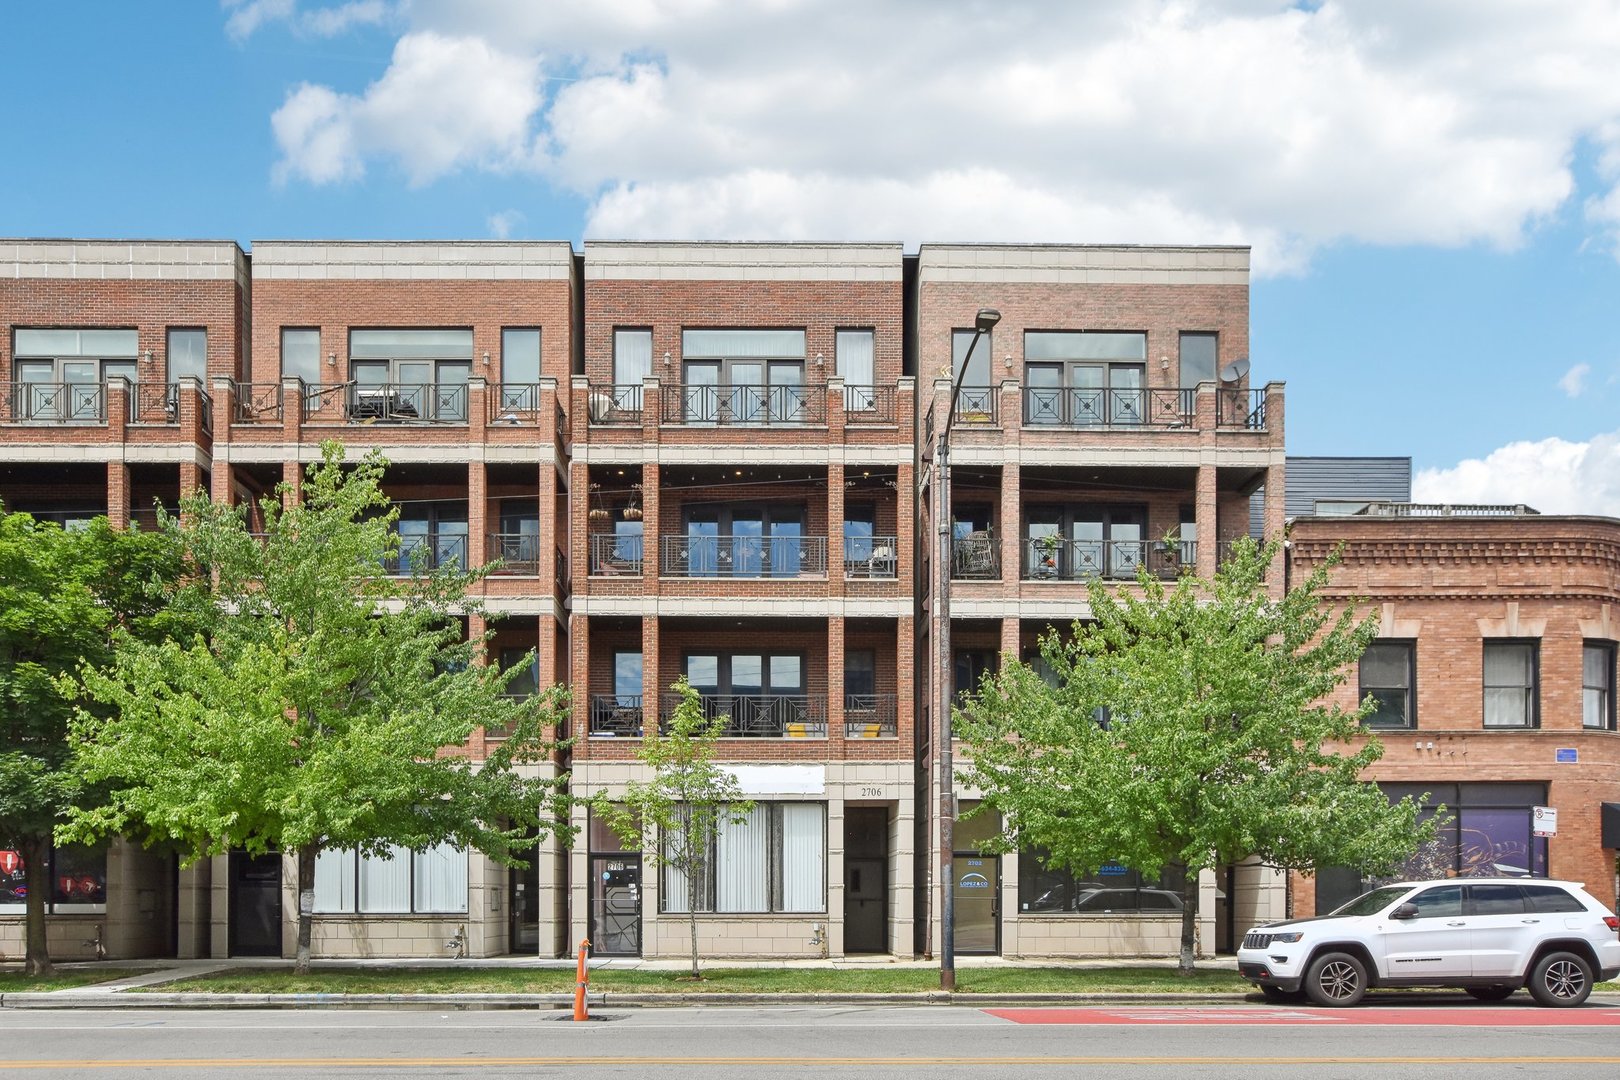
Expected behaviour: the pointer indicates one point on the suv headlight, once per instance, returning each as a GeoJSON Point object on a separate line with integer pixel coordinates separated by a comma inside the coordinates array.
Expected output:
{"type": "Point", "coordinates": [1287, 938]}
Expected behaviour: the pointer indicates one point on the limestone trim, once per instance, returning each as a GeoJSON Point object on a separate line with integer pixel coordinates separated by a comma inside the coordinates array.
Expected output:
{"type": "Point", "coordinates": [750, 607]}
{"type": "Point", "coordinates": [1606, 627]}
{"type": "Point", "coordinates": [1126, 264]}
{"type": "Point", "coordinates": [1391, 627]}
{"type": "Point", "coordinates": [1511, 625]}
{"type": "Point", "coordinates": [124, 260]}
{"type": "Point", "coordinates": [428, 260]}
{"type": "Point", "coordinates": [631, 261]}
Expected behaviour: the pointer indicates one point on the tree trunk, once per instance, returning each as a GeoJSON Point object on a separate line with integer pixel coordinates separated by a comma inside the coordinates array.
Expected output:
{"type": "Point", "coordinates": [306, 905]}
{"type": "Point", "coordinates": [691, 916]}
{"type": "Point", "coordinates": [37, 880]}
{"type": "Point", "coordinates": [1189, 921]}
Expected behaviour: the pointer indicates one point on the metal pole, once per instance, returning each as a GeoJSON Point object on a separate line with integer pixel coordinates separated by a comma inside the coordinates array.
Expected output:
{"type": "Point", "coordinates": [943, 556]}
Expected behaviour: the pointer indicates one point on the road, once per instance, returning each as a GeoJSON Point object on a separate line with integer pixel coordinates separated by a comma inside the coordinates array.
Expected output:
{"type": "Point", "coordinates": [1401, 1042]}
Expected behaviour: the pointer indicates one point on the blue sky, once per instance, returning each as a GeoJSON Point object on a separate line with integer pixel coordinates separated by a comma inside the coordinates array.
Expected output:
{"type": "Point", "coordinates": [1429, 186]}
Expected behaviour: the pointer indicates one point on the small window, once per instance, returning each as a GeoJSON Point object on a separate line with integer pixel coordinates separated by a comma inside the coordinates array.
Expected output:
{"type": "Point", "coordinates": [1387, 677]}
{"type": "Point", "coordinates": [520, 356]}
{"type": "Point", "coordinates": [1510, 684]}
{"type": "Point", "coordinates": [1444, 902]}
{"type": "Point", "coordinates": [301, 354]}
{"type": "Point", "coordinates": [1550, 900]}
{"type": "Point", "coordinates": [854, 362]}
{"type": "Point", "coordinates": [632, 356]}
{"type": "Point", "coordinates": [1197, 358]}
{"type": "Point", "coordinates": [978, 372]}
{"type": "Point", "coordinates": [1597, 685]}
{"type": "Point", "coordinates": [188, 354]}
{"type": "Point", "coordinates": [1496, 899]}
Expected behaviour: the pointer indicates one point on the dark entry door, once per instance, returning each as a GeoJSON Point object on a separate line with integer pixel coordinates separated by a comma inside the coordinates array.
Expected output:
{"type": "Point", "coordinates": [525, 908]}
{"type": "Point", "coordinates": [866, 892]}
{"type": "Point", "coordinates": [255, 900]}
{"type": "Point", "coordinates": [616, 905]}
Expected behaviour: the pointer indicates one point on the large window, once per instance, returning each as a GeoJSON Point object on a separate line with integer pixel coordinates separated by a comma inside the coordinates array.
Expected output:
{"type": "Point", "coordinates": [410, 374]}
{"type": "Point", "coordinates": [1084, 541]}
{"type": "Point", "coordinates": [743, 376]}
{"type": "Point", "coordinates": [1511, 698]}
{"type": "Point", "coordinates": [75, 874]}
{"type": "Point", "coordinates": [402, 882]}
{"type": "Point", "coordinates": [632, 362]}
{"type": "Point", "coordinates": [855, 363]}
{"type": "Point", "coordinates": [1597, 685]}
{"type": "Point", "coordinates": [1110, 889]}
{"type": "Point", "coordinates": [520, 370]}
{"type": "Point", "coordinates": [772, 861]}
{"type": "Point", "coordinates": [1387, 676]}
{"type": "Point", "coordinates": [431, 535]}
{"type": "Point", "coordinates": [1084, 378]}
{"type": "Point", "coordinates": [748, 540]}
{"type": "Point", "coordinates": [761, 693]}
{"type": "Point", "coordinates": [62, 374]}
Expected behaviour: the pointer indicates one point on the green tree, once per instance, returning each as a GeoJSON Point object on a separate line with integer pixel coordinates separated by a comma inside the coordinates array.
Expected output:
{"type": "Point", "coordinates": [324, 707]}
{"type": "Point", "coordinates": [675, 817]}
{"type": "Point", "coordinates": [61, 596]}
{"type": "Point", "coordinates": [1185, 727]}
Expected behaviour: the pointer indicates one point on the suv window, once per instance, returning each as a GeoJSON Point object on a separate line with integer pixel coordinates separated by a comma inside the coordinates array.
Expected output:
{"type": "Point", "coordinates": [1496, 899]}
{"type": "Point", "coordinates": [1445, 901]}
{"type": "Point", "coordinates": [1550, 899]}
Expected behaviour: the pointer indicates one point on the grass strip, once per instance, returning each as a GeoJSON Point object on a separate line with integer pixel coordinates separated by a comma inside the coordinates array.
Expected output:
{"type": "Point", "coordinates": [717, 980]}
{"type": "Point", "coordinates": [15, 982]}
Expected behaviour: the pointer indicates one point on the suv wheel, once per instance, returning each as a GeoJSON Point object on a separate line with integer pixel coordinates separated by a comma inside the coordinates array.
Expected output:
{"type": "Point", "coordinates": [1490, 993]}
{"type": "Point", "coordinates": [1338, 979]}
{"type": "Point", "coordinates": [1561, 979]}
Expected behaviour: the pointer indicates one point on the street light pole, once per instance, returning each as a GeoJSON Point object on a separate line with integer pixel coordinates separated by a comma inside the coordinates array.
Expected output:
{"type": "Point", "coordinates": [943, 556]}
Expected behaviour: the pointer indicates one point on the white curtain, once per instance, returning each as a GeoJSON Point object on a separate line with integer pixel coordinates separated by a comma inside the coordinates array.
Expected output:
{"type": "Point", "coordinates": [632, 356]}
{"type": "Point", "coordinates": [1507, 683]}
{"type": "Point", "coordinates": [441, 879]}
{"type": "Point", "coordinates": [804, 860]}
{"type": "Point", "coordinates": [385, 883]}
{"type": "Point", "coordinates": [854, 359]}
{"type": "Point", "coordinates": [334, 881]}
{"type": "Point", "coordinates": [1597, 663]}
{"type": "Point", "coordinates": [741, 858]}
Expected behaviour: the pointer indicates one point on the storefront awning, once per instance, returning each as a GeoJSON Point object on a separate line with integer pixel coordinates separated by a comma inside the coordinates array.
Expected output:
{"type": "Point", "coordinates": [1611, 825]}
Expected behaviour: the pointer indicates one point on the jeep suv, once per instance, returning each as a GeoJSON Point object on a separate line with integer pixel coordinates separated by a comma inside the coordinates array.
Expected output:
{"type": "Point", "coordinates": [1489, 936]}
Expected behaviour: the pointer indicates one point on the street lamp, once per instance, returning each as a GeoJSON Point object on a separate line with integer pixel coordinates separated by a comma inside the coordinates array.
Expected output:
{"type": "Point", "coordinates": [943, 553]}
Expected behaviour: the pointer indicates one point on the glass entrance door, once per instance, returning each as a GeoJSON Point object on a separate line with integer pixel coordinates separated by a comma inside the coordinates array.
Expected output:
{"type": "Point", "coordinates": [616, 905]}
{"type": "Point", "coordinates": [975, 885]}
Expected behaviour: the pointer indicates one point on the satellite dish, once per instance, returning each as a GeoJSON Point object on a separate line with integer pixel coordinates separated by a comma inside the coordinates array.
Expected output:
{"type": "Point", "coordinates": [599, 406]}
{"type": "Point", "coordinates": [1235, 370]}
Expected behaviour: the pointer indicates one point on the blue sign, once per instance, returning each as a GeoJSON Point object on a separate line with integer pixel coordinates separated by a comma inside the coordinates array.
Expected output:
{"type": "Point", "coordinates": [1568, 755]}
{"type": "Point", "coordinates": [1112, 870]}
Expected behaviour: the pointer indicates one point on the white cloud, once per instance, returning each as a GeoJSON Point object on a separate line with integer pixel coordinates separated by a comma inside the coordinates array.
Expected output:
{"type": "Point", "coordinates": [1553, 475]}
{"type": "Point", "coordinates": [249, 16]}
{"type": "Point", "coordinates": [1263, 121]}
{"type": "Point", "coordinates": [502, 223]}
{"type": "Point", "coordinates": [1573, 382]}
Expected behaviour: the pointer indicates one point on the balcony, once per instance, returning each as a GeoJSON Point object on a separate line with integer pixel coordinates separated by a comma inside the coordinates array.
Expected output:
{"type": "Point", "coordinates": [760, 716]}
{"type": "Point", "coordinates": [517, 554]}
{"type": "Point", "coordinates": [1140, 408]}
{"type": "Point", "coordinates": [976, 557]}
{"type": "Point", "coordinates": [871, 716]}
{"type": "Point", "coordinates": [422, 553]}
{"type": "Point", "coordinates": [615, 556]}
{"type": "Point", "coordinates": [869, 404]}
{"type": "Point", "coordinates": [1055, 559]}
{"type": "Point", "coordinates": [616, 716]}
{"type": "Point", "coordinates": [871, 558]}
{"type": "Point", "coordinates": [743, 556]}
{"type": "Point", "coordinates": [257, 403]}
{"type": "Point", "coordinates": [743, 405]}
{"type": "Point", "coordinates": [59, 403]}
{"type": "Point", "coordinates": [442, 403]}
{"type": "Point", "coordinates": [615, 405]}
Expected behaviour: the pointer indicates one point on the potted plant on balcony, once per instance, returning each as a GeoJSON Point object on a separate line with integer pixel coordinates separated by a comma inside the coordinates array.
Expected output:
{"type": "Point", "coordinates": [1168, 549]}
{"type": "Point", "coordinates": [1046, 554]}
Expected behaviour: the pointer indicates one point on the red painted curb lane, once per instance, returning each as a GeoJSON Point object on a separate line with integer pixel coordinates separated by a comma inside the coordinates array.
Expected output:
{"type": "Point", "coordinates": [1438, 1017]}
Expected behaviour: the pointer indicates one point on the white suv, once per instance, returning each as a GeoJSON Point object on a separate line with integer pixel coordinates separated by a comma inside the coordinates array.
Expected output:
{"type": "Point", "coordinates": [1489, 936]}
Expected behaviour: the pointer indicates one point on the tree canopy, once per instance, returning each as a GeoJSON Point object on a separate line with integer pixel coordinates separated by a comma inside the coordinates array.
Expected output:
{"type": "Point", "coordinates": [1189, 727]}
{"type": "Point", "coordinates": [323, 707]}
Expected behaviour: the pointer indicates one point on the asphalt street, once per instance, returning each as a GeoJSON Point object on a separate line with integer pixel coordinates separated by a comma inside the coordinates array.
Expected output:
{"type": "Point", "coordinates": [721, 1043]}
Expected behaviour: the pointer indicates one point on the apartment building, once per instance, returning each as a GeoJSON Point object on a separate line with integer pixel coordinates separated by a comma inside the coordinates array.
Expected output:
{"type": "Point", "coordinates": [1494, 676]}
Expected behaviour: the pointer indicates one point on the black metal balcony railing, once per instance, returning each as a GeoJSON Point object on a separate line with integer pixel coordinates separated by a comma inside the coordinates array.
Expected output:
{"type": "Point", "coordinates": [157, 403]}
{"type": "Point", "coordinates": [614, 405]}
{"type": "Point", "coordinates": [744, 406]}
{"type": "Point", "coordinates": [760, 716]}
{"type": "Point", "coordinates": [869, 404]}
{"type": "Point", "coordinates": [1101, 407]}
{"type": "Point", "coordinates": [1050, 559]}
{"type": "Point", "coordinates": [66, 403]}
{"type": "Point", "coordinates": [424, 553]}
{"type": "Point", "coordinates": [1236, 408]}
{"type": "Point", "coordinates": [977, 405]}
{"type": "Point", "coordinates": [975, 557]}
{"type": "Point", "coordinates": [444, 403]}
{"type": "Point", "coordinates": [516, 554]}
{"type": "Point", "coordinates": [871, 557]}
{"type": "Point", "coordinates": [255, 403]}
{"type": "Point", "coordinates": [743, 556]}
{"type": "Point", "coordinates": [615, 556]}
{"type": "Point", "coordinates": [616, 715]}
{"type": "Point", "coordinates": [871, 716]}
{"type": "Point", "coordinates": [514, 403]}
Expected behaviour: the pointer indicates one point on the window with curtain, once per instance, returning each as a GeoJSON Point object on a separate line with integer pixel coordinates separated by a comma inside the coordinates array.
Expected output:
{"type": "Point", "coordinates": [301, 354]}
{"type": "Point", "coordinates": [403, 882]}
{"type": "Point", "coordinates": [854, 360]}
{"type": "Point", "coordinates": [632, 362]}
{"type": "Point", "coordinates": [1510, 684]}
{"type": "Point", "coordinates": [1597, 685]}
{"type": "Point", "coordinates": [1386, 674]}
{"type": "Point", "coordinates": [773, 861]}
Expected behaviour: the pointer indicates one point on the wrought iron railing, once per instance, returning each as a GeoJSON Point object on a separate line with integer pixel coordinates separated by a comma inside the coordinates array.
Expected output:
{"type": "Point", "coordinates": [871, 716]}
{"type": "Point", "coordinates": [1056, 559]}
{"type": "Point", "coordinates": [66, 403]}
{"type": "Point", "coordinates": [614, 405]}
{"type": "Point", "coordinates": [744, 405]}
{"type": "Point", "coordinates": [427, 553]}
{"type": "Point", "coordinates": [1235, 408]}
{"type": "Point", "coordinates": [978, 405]}
{"type": "Point", "coordinates": [1168, 408]}
{"type": "Point", "coordinates": [743, 556]}
{"type": "Point", "coordinates": [255, 403]}
{"type": "Point", "coordinates": [514, 403]}
{"type": "Point", "coordinates": [760, 716]}
{"type": "Point", "coordinates": [324, 401]}
{"type": "Point", "coordinates": [444, 403]}
{"type": "Point", "coordinates": [871, 557]}
{"type": "Point", "coordinates": [156, 403]}
{"type": "Point", "coordinates": [976, 557]}
{"type": "Point", "coordinates": [617, 715]}
{"type": "Point", "coordinates": [615, 556]}
{"type": "Point", "coordinates": [515, 554]}
{"type": "Point", "coordinates": [869, 404]}
{"type": "Point", "coordinates": [1409, 509]}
